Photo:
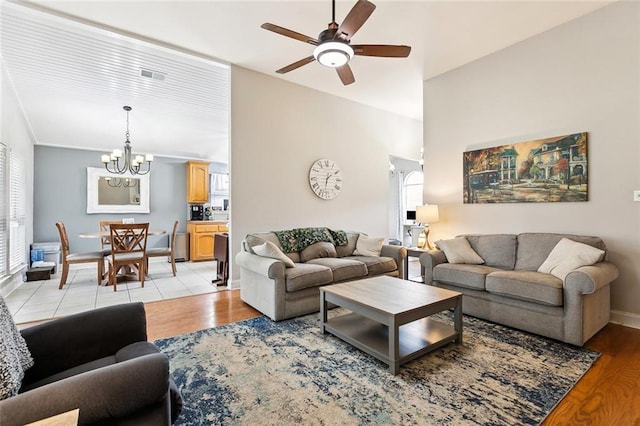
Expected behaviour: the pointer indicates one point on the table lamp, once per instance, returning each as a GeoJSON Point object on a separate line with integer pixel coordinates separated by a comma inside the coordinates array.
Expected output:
{"type": "Point", "coordinates": [426, 215]}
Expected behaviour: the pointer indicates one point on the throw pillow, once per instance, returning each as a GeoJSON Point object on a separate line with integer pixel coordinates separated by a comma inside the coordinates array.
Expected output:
{"type": "Point", "coordinates": [368, 246]}
{"type": "Point", "coordinates": [347, 250]}
{"type": "Point", "coordinates": [15, 358]}
{"type": "Point", "coordinates": [270, 250]}
{"type": "Point", "coordinates": [317, 250]}
{"type": "Point", "coordinates": [569, 255]}
{"type": "Point", "coordinates": [458, 250]}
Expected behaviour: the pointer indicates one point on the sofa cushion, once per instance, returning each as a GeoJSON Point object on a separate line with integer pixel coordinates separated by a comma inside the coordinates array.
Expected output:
{"type": "Point", "coordinates": [342, 268]}
{"type": "Point", "coordinates": [533, 248]}
{"type": "Point", "coordinates": [368, 246]}
{"type": "Point", "coordinates": [252, 240]}
{"type": "Point", "coordinates": [377, 265]}
{"type": "Point", "coordinates": [352, 239]}
{"type": "Point", "coordinates": [497, 250]}
{"type": "Point", "coordinates": [458, 250]}
{"type": "Point", "coordinates": [306, 275]}
{"type": "Point", "coordinates": [527, 285]}
{"type": "Point", "coordinates": [258, 238]}
{"type": "Point", "coordinates": [568, 256]}
{"type": "Point", "coordinates": [463, 275]}
{"type": "Point", "coordinates": [318, 250]}
{"type": "Point", "coordinates": [270, 250]}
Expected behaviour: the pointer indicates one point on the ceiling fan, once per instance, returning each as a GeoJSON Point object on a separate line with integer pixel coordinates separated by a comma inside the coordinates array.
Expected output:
{"type": "Point", "coordinates": [333, 45]}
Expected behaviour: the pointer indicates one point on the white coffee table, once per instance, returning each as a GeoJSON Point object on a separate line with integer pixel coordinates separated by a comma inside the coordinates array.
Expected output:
{"type": "Point", "coordinates": [389, 317]}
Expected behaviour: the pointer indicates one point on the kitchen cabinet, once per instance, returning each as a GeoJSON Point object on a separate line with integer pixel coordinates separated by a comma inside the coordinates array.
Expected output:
{"type": "Point", "coordinates": [197, 182]}
{"type": "Point", "coordinates": [201, 239]}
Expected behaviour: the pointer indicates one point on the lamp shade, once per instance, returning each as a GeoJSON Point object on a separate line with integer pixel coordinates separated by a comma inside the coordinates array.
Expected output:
{"type": "Point", "coordinates": [427, 214]}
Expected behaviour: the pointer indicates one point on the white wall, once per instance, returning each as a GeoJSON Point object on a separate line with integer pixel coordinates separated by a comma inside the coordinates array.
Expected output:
{"type": "Point", "coordinates": [581, 76]}
{"type": "Point", "coordinates": [278, 129]}
{"type": "Point", "coordinates": [15, 134]}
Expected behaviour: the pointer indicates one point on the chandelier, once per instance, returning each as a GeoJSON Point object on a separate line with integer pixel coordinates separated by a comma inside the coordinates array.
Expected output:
{"type": "Point", "coordinates": [130, 163]}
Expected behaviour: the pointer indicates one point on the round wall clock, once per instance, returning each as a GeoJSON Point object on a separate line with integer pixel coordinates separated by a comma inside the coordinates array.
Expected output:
{"type": "Point", "coordinates": [325, 178]}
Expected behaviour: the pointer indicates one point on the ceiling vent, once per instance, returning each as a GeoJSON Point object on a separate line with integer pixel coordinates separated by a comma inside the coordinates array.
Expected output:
{"type": "Point", "coordinates": [155, 75]}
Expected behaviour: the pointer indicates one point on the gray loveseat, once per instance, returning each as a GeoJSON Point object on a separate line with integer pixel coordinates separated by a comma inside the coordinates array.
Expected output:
{"type": "Point", "coordinates": [508, 289]}
{"type": "Point", "coordinates": [282, 292]}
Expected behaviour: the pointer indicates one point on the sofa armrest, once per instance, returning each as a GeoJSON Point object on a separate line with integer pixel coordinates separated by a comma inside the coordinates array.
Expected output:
{"type": "Point", "coordinates": [589, 279]}
{"type": "Point", "coordinates": [76, 339]}
{"type": "Point", "coordinates": [102, 395]}
{"type": "Point", "coordinates": [266, 266]}
{"type": "Point", "coordinates": [430, 260]}
{"type": "Point", "coordinates": [398, 253]}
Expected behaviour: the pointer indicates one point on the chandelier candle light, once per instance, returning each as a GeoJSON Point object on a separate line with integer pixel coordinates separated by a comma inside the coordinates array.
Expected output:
{"type": "Point", "coordinates": [425, 215]}
{"type": "Point", "coordinates": [130, 163]}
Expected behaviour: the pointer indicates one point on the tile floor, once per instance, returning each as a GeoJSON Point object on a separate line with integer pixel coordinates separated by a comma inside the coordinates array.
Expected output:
{"type": "Point", "coordinates": [36, 300]}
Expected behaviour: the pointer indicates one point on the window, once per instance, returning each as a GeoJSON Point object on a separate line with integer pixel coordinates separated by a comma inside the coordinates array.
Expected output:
{"type": "Point", "coordinates": [17, 212]}
{"type": "Point", "coordinates": [4, 232]}
{"type": "Point", "coordinates": [12, 212]}
{"type": "Point", "coordinates": [413, 190]}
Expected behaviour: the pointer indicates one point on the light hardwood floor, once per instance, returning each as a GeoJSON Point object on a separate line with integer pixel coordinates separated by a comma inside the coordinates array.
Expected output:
{"type": "Point", "coordinates": [609, 394]}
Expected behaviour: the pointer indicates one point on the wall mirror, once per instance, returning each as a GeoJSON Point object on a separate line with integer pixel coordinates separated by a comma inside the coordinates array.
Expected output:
{"type": "Point", "coordinates": [108, 193]}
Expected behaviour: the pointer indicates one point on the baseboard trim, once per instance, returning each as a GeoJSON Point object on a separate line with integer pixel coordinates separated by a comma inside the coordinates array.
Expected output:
{"type": "Point", "coordinates": [11, 283]}
{"type": "Point", "coordinates": [234, 284]}
{"type": "Point", "coordinates": [627, 319]}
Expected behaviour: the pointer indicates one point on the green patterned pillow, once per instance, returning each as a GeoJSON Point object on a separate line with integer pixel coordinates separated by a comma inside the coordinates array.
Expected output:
{"type": "Point", "coordinates": [288, 240]}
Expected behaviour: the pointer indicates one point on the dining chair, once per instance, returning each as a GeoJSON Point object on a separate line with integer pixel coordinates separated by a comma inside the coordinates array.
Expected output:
{"type": "Point", "coordinates": [81, 257]}
{"type": "Point", "coordinates": [105, 241]}
{"type": "Point", "coordinates": [165, 251]}
{"type": "Point", "coordinates": [128, 248]}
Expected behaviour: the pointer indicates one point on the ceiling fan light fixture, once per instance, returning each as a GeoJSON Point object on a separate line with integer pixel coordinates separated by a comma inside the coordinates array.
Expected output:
{"type": "Point", "coordinates": [333, 54]}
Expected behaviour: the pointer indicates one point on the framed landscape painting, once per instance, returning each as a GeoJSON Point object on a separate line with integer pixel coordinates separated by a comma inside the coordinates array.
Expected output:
{"type": "Point", "coordinates": [539, 171]}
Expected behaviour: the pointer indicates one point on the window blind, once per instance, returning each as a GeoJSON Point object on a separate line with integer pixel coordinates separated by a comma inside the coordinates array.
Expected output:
{"type": "Point", "coordinates": [4, 197]}
{"type": "Point", "coordinates": [17, 212]}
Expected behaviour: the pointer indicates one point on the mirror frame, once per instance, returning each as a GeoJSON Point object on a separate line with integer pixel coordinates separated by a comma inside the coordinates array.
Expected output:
{"type": "Point", "coordinates": [94, 174]}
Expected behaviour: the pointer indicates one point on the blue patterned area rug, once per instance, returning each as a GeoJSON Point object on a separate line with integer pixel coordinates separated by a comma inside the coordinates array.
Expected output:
{"type": "Point", "coordinates": [259, 372]}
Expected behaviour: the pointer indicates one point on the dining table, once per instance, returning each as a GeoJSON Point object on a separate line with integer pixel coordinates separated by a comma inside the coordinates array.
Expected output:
{"type": "Point", "coordinates": [104, 234]}
{"type": "Point", "coordinates": [128, 272]}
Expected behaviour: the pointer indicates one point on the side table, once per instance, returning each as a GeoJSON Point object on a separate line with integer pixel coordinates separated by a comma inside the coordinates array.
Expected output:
{"type": "Point", "coordinates": [413, 252]}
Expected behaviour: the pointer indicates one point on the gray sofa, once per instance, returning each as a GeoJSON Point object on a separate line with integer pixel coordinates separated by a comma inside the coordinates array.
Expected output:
{"type": "Point", "coordinates": [282, 292]}
{"type": "Point", "coordinates": [508, 289]}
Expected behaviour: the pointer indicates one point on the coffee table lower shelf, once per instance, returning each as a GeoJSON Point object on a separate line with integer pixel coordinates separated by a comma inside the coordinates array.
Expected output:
{"type": "Point", "coordinates": [414, 339]}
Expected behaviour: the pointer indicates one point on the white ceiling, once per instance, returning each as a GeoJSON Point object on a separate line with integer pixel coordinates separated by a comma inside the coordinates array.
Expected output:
{"type": "Point", "coordinates": [443, 34]}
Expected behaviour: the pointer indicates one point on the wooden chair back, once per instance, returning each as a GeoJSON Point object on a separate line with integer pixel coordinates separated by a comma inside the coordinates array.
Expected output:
{"type": "Point", "coordinates": [105, 242]}
{"type": "Point", "coordinates": [64, 239]}
{"type": "Point", "coordinates": [128, 238]}
{"type": "Point", "coordinates": [172, 242]}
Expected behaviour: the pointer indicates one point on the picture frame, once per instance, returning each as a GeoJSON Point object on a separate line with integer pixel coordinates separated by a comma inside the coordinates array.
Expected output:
{"type": "Point", "coordinates": [552, 169]}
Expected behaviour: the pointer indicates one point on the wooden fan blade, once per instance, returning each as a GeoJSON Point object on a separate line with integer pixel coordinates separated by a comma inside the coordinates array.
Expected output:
{"type": "Point", "coordinates": [356, 17]}
{"type": "Point", "coordinates": [289, 33]}
{"type": "Point", "coordinates": [382, 50]}
{"type": "Point", "coordinates": [345, 74]}
{"type": "Point", "coordinates": [295, 65]}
